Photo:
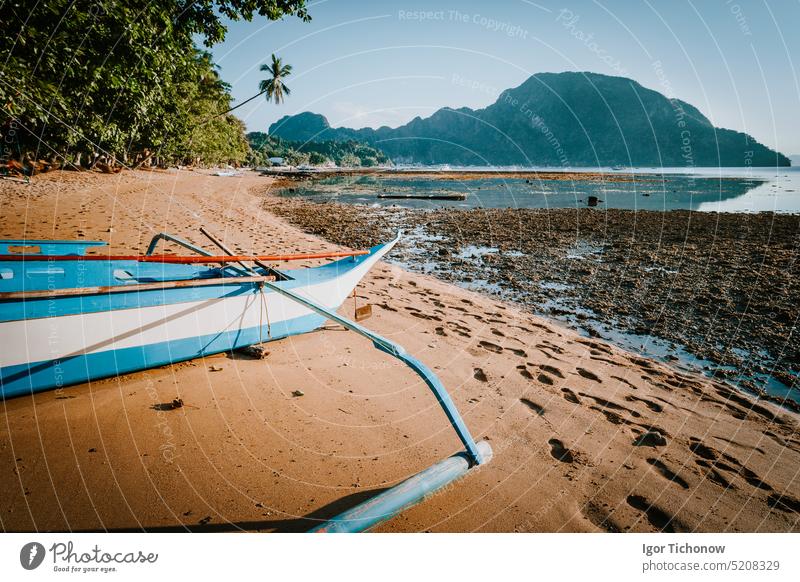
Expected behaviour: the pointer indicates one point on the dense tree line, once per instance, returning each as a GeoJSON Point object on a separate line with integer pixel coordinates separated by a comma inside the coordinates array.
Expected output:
{"type": "Point", "coordinates": [120, 80]}
{"type": "Point", "coordinates": [347, 153]}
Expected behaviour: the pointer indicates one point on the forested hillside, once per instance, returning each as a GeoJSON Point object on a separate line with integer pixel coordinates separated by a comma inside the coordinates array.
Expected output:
{"type": "Point", "coordinates": [349, 153]}
{"type": "Point", "coordinates": [120, 81]}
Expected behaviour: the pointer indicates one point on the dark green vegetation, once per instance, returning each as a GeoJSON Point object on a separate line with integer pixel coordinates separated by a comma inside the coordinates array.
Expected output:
{"type": "Point", "coordinates": [348, 153]}
{"type": "Point", "coordinates": [88, 80]}
{"type": "Point", "coordinates": [563, 119]}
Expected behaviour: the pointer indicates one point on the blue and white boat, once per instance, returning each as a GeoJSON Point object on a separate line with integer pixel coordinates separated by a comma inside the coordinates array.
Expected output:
{"type": "Point", "coordinates": [65, 319]}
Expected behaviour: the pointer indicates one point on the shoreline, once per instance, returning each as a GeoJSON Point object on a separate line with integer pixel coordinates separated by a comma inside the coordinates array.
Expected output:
{"type": "Point", "coordinates": [544, 174]}
{"type": "Point", "coordinates": [604, 274]}
{"type": "Point", "coordinates": [587, 437]}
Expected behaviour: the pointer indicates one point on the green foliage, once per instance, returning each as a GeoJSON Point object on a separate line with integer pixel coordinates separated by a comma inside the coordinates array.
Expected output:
{"type": "Point", "coordinates": [274, 86]}
{"type": "Point", "coordinates": [343, 153]}
{"type": "Point", "coordinates": [122, 77]}
{"type": "Point", "coordinates": [316, 159]}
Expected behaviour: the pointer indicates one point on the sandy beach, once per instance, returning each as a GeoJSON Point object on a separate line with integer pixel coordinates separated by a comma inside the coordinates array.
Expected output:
{"type": "Point", "coordinates": [586, 437]}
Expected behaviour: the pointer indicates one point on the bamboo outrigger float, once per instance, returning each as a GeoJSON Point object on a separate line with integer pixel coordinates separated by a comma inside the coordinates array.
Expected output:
{"type": "Point", "coordinates": [67, 317]}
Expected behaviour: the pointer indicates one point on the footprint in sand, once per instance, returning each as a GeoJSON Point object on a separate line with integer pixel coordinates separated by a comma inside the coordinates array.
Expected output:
{"type": "Point", "coordinates": [784, 503]}
{"type": "Point", "coordinates": [479, 375]}
{"type": "Point", "coordinates": [603, 403]}
{"type": "Point", "coordinates": [667, 473]}
{"type": "Point", "coordinates": [709, 458]}
{"type": "Point", "coordinates": [610, 416]}
{"type": "Point", "coordinates": [753, 479]}
{"type": "Point", "coordinates": [551, 370]}
{"type": "Point", "coordinates": [658, 518]}
{"type": "Point", "coordinates": [588, 375]}
{"type": "Point", "coordinates": [748, 405]}
{"type": "Point", "coordinates": [546, 345]}
{"type": "Point", "coordinates": [596, 346]}
{"type": "Point", "coordinates": [490, 346]}
{"type": "Point", "coordinates": [650, 404]}
{"type": "Point", "coordinates": [559, 452]}
{"type": "Point", "coordinates": [716, 477]}
{"type": "Point", "coordinates": [604, 360]}
{"type": "Point", "coordinates": [570, 396]}
{"type": "Point", "coordinates": [461, 330]}
{"type": "Point", "coordinates": [523, 371]}
{"type": "Point", "coordinates": [701, 450]}
{"type": "Point", "coordinates": [600, 517]}
{"type": "Point", "coordinates": [536, 408]}
{"type": "Point", "coordinates": [424, 315]}
{"type": "Point", "coordinates": [624, 381]}
{"type": "Point", "coordinates": [545, 379]}
{"type": "Point", "coordinates": [748, 475]}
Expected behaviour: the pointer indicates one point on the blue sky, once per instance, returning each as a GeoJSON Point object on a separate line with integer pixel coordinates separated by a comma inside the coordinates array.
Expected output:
{"type": "Point", "coordinates": [383, 63]}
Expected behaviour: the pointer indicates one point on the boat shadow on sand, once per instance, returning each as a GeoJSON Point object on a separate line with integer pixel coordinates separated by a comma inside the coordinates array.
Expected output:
{"type": "Point", "coordinates": [288, 525]}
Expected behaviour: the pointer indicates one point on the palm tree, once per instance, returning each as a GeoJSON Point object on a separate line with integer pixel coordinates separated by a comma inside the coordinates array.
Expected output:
{"type": "Point", "coordinates": [272, 86]}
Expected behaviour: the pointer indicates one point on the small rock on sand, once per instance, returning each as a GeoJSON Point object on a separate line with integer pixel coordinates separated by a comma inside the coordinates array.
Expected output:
{"type": "Point", "coordinates": [650, 438]}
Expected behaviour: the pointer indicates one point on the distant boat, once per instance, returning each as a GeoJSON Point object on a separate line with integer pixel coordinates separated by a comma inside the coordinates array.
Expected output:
{"type": "Point", "coordinates": [424, 196]}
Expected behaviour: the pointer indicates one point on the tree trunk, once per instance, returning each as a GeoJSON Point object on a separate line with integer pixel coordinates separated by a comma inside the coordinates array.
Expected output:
{"type": "Point", "coordinates": [147, 155]}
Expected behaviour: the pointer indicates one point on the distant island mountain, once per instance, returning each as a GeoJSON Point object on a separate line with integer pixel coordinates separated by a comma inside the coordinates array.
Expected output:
{"type": "Point", "coordinates": [555, 119]}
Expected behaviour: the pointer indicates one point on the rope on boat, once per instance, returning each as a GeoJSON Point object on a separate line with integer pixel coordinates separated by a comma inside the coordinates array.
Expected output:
{"type": "Point", "coordinates": [263, 311]}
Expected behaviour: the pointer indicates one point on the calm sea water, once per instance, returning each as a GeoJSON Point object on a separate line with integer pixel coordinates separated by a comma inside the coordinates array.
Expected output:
{"type": "Point", "coordinates": [700, 189]}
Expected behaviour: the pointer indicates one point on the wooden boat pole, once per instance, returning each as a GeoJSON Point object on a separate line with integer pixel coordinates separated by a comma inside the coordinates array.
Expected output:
{"type": "Point", "coordinates": [176, 239]}
{"type": "Point", "coordinates": [180, 260]}
{"type": "Point", "coordinates": [225, 249]}
{"type": "Point", "coordinates": [159, 286]}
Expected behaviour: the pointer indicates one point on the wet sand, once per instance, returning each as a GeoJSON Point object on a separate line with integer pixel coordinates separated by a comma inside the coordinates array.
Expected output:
{"type": "Point", "coordinates": [586, 437]}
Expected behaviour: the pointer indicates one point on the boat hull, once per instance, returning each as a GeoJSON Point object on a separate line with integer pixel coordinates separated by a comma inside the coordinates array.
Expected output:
{"type": "Point", "coordinates": [157, 328]}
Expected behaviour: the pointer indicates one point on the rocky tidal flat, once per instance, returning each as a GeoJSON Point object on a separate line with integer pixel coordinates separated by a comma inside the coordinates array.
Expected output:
{"type": "Point", "coordinates": [720, 290]}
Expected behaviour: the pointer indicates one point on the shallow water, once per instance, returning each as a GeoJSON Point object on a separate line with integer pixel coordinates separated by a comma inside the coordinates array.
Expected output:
{"type": "Point", "coordinates": [700, 189]}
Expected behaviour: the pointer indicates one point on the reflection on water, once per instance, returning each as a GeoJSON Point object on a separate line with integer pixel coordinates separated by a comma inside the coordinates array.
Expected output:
{"type": "Point", "coordinates": [704, 190]}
